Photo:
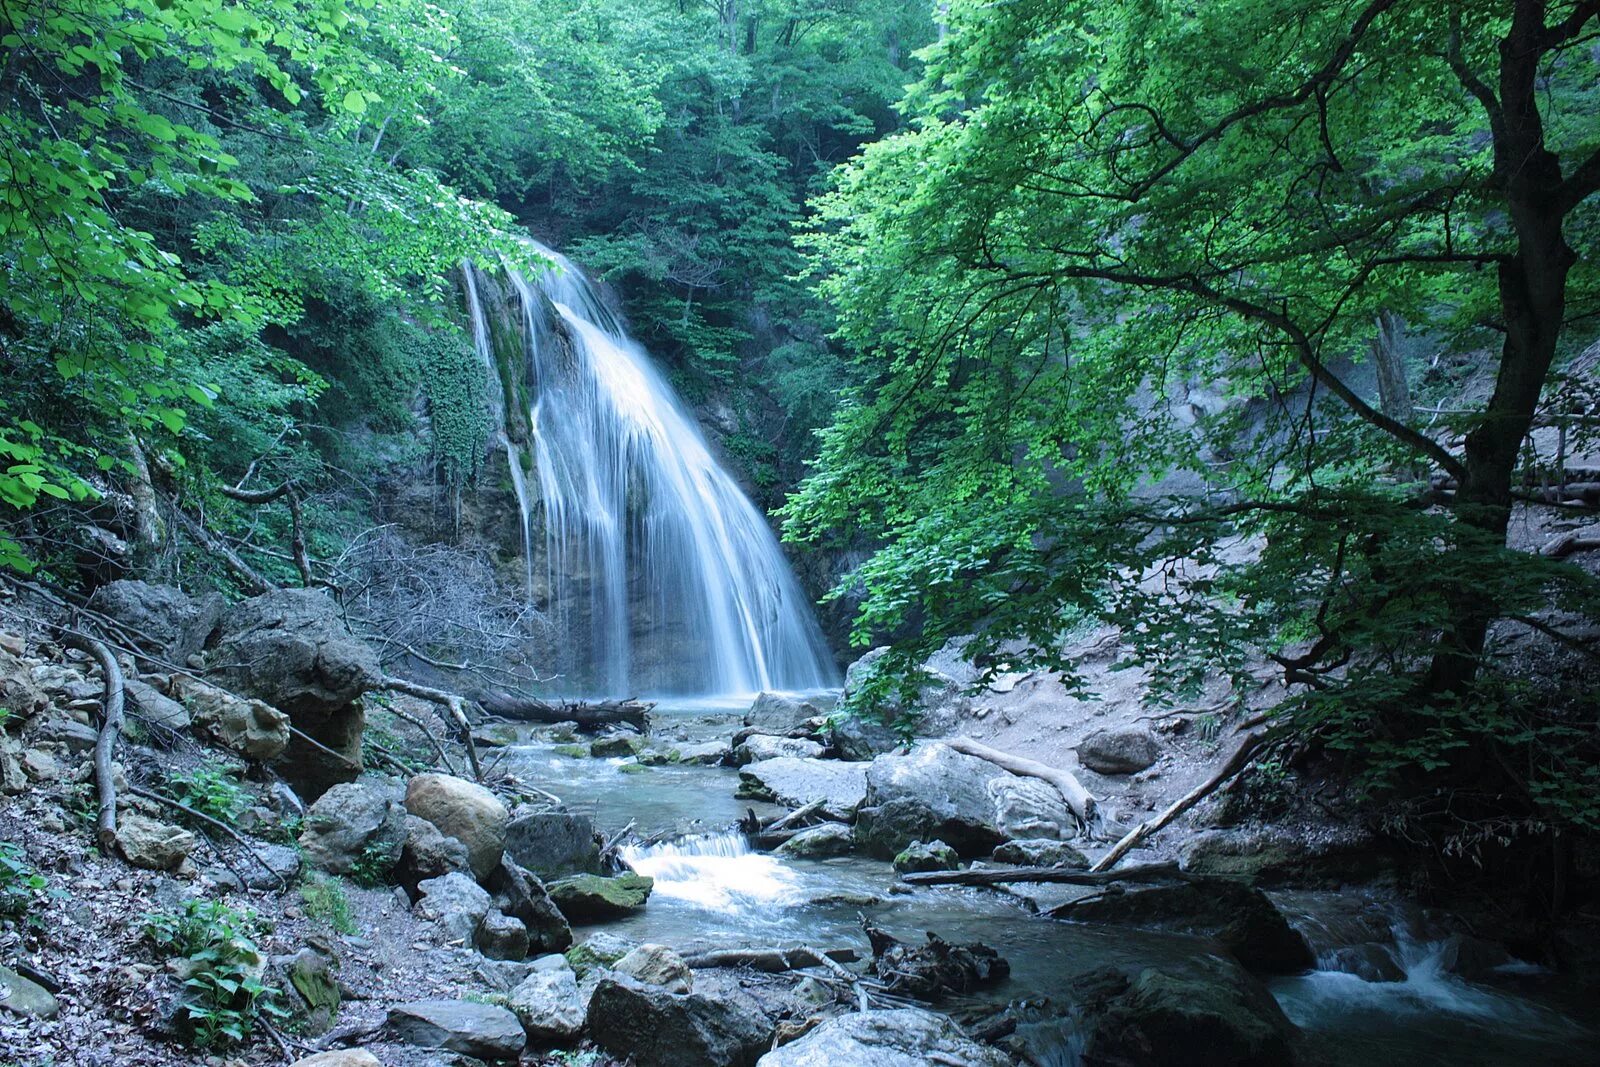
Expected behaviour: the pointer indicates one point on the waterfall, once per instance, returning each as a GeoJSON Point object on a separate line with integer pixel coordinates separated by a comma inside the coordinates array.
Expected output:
{"type": "Point", "coordinates": [661, 575]}
{"type": "Point", "coordinates": [717, 872]}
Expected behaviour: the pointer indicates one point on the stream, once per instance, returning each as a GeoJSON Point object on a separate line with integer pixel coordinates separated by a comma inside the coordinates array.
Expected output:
{"type": "Point", "coordinates": [712, 891]}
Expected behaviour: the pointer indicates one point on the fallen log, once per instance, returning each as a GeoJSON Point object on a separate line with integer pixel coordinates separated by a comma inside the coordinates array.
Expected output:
{"type": "Point", "coordinates": [1152, 872]}
{"type": "Point", "coordinates": [105, 744]}
{"type": "Point", "coordinates": [589, 715]}
{"type": "Point", "coordinates": [1237, 761]}
{"type": "Point", "coordinates": [771, 960]}
{"type": "Point", "coordinates": [1079, 799]}
{"type": "Point", "coordinates": [453, 703]}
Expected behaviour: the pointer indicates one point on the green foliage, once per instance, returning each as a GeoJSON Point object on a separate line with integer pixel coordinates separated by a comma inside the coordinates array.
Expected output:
{"type": "Point", "coordinates": [458, 406]}
{"type": "Point", "coordinates": [22, 888]}
{"type": "Point", "coordinates": [325, 900]}
{"type": "Point", "coordinates": [211, 789]}
{"type": "Point", "coordinates": [373, 866]}
{"type": "Point", "coordinates": [222, 969]}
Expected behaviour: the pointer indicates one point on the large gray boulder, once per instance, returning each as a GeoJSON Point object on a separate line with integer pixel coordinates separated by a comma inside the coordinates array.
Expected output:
{"type": "Point", "coordinates": [788, 780]}
{"type": "Point", "coordinates": [1211, 1012]}
{"type": "Point", "coordinates": [1030, 808]}
{"type": "Point", "coordinates": [176, 622]}
{"type": "Point", "coordinates": [855, 738]}
{"type": "Point", "coordinates": [520, 894]}
{"type": "Point", "coordinates": [427, 853]}
{"type": "Point", "coordinates": [778, 714]}
{"type": "Point", "coordinates": [252, 728]}
{"type": "Point", "coordinates": [595, 898]}
{"type": "Point", "coordinates": [290, 648]}
{"type": "Point", "coordinates": [759, 747]}
{"type": "Point", "coordinates": [1124, 750]}
{"type": "Point", "coordinates": [355, 826]}
{"type": "Point", "coordinates": [456, 903]}
{"type": "Point", "coordinates": [465, 811]}
{"type": "Point", "coordinates": [553, 843]}
{"type": "Point", "coordinates": [628, 1018]}
{"type": "Point", "coordinates": [548, 1004]}
{"type": "Point", "coordinates": [482, 1030]}
{"type": "Point", "coordinates": [933, 791]}
{"type": "Point", "coordinates": [907, 1037]}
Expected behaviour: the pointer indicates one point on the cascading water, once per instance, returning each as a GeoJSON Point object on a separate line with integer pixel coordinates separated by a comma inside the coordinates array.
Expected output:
{"type": "Point", "coordinates": [719, 872]}
{"type": "Point", "coordinates": [662, 576]}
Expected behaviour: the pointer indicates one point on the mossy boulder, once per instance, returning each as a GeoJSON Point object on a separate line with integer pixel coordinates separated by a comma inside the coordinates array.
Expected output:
{"type": "Point", "coordinates": [926, 856]}
{"type": "Point", "coordinates": [593, 898]}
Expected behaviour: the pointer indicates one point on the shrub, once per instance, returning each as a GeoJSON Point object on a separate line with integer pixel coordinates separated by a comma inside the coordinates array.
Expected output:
{"type": "Point", "coordinates": [222, 976]}
{"type": "Point", "coordinates": [211, 789]}
{"type": "Point", "coordinates": [21, 887]}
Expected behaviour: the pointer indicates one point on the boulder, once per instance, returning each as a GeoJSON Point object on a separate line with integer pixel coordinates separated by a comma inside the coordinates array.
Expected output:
{"type": "Point", "coordinates": [290, 648]}
{"type": "Point", "coordinates": [628, 1018]}
{"type": "Point", "coordinates": [552, 843]}
{"type": "Point", "coordinates": [310, 973]}
{"type": "Point", "coordinates": [155, 707]}
{"type": "Point", "coordinates": [282, 865]}
{"type": "Point", "coordinates": [465, 811]}
{"type": "Point", "coordinates": [456, 903]}
{"type": "Point", "coordinates": [931, 792]}
{"type": "Point", "coordinates": [779, 714]}
{"type": "Point", "coordinates": [500, 937]}
{"type": "Point", "coordinates": [1277, 855]}
{"type": "Point", "coordinates": [657, 965]}
{"type": "Point", "coordinates": [1033, 852]}
{"type": "Point", "coordinates": [548, 1004]}
{"type": "Point", "coordinates": [614, 745]}
{"type": "Point", "coordinates": [1239, 918]}
{"type": "Point", "coordinates": [818, 842]}
{"type": "Point", "coordinates": [1122, 750]}
{"type": "Point", "coordinates": [705, 753]}
{"type": "Point", "coordinates": [249, 727]}
{"type": "Point", "coordinates": [599, 950]}
{"type": "Point", "coordinates": [1212, 1012]}
{"type": "Point", "coordinates": [906, 1037]}
{"type": "Point", "coordinates": [593, 898]}
{"type": "Point", "coordinates": [523, 896]}
{"type": "Point", "coordinates": [427, 853]}
{"type": "Point", "coordinates": [758, 747]}
{"type": "Point", "coordinates": [23, 996]}
{"type": "Point", "coordinates": [482, 1030]}
{"type": "Point", "coordinates": [355, 826]}
{"type": "Point", "coordinates": [151, 844]}
{"type": "Point", "coordinates": [174, 621]}
{"type": "Point", "coordinates": [1369, 961]}
{"type": "Point", "coordinates": [796, 782]}
{"type": "Point", "coordinates": [926, 856]}
{"type": "Point", "coordinates": [340, 1057]}
{"type": "Point", "coordinates": [855, 738]}
{"type": "Point", "coordinates": [18, 690]}
{"type": "Point", "coordinates": [1029, 807]}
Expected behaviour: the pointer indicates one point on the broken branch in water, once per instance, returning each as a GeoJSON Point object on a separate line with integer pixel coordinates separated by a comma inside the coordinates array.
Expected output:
{"type": "Point", "coordinates": [589, 715]}
{"type": "Point", "coordinates": [1152, 872]}
{"type": "Point", "coordinates": [1079, 799]}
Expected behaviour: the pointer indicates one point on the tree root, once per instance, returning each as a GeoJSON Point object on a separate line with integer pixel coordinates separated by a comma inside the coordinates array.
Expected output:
{"type": "Point", "coordinates": [106, 742]}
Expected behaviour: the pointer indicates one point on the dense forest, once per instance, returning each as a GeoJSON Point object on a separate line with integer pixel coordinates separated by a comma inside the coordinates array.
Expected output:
{"type": "Point", "coordinates": [1222, 378]}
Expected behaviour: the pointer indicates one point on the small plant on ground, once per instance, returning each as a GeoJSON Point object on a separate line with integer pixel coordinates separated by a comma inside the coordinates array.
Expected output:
{"type": "Point", "coordinates": [224, 994]}
{"type": "Point", "coordinates": [212, 790]}
{"type": "Point", "coordinates": [21, 886]}
{"type": "Point", "coordinates": [372, 867]}
{"type": "Point", "coordinates": [325, 900]}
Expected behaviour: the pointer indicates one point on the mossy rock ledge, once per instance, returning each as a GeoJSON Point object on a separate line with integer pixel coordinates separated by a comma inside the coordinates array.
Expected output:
{"type": "Point", "coordinates": [593, 898]}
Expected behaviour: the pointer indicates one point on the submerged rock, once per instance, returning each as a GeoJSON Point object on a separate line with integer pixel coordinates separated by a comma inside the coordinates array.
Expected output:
{"type": "Point", "coordinates": [1370, 961]}
{"type": "Point", "coordinates": [819, 842]}
{"type": "Point", "coordinates": [796, 782]}
{"type": "Point", "coordinates": [907, 1037]}
{"type": "Point", "coordinates": [1239, 918]}
{"type": "Point", "coordinates": [1122, 750]}
{"type": "Point", "coordinates": [465, 811]}
{"type": "Point", "coordinates": [482, 1030]}
{"type": "Point", "coordinates": [628, 1018]}
{"type": "Point", "coordinates": [593, 898]}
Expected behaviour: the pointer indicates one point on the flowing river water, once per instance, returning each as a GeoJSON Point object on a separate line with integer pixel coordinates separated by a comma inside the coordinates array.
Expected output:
{"type": "Point", "coordinates": [712, 891]}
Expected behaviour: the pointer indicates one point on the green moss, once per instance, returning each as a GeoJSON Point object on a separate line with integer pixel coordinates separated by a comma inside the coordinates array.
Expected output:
{"type": "Point", "coordinates": [575, 751]}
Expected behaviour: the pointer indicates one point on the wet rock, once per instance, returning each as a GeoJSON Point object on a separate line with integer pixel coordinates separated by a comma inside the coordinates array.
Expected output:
{"type": "Point", "coordinates": [758, 747]}
{"type": "Point", "coordinates": [456, 903]}
{"type": "Point", "coordinates": [552, 843]}
{"type": "Point", "coordinates": [706, 753]}
{"type": "Point", "coordinates": [151, 844]}
{"type": "Point", "coordinates": [1124, 750]}
{"type": "Point", "coordinates": [657, 965]}
{"type": "Point", "coordinates": [632, 1019]}
{"type": "Point", "coordinates": [615, 745]}
{"type": "Point", "coordinates": [1371, 962]}
{"type": "Point", "coordinates": [249, 727]}
{"type": "Point", "coordinates": [1239, 918]}
{"type": "Point", "coordinates": [861, 739]}
{"type": "Point", "coordinates": [1213, 1011]}
{"type": "Point", "coordinates": [500, 937]}
{"type": "Point", "coordinates": [25, 997]}
{"type": "Point", "coordinates": [523, 896]}
{"type": "Point", "coordinates": [482, 1030]}
{"type": "Point", "coordinates": [155, 707]}
{"type": "Point", "coordinates": [926, 856]}
{"type": "Point", "coordinates": [778, 714]}
{"type": "Point", "coordinates": [1274, 855]}
{"type": "Point", "coordinates": [932, 970]}
{"type": "Point", "coordinates": [355, 825]}
{"type": "Point", "coordinates": [796, 782]}
{"type": "Point", "coordinates": [818, 842]}
{"type": "Point", "coordinates": [427, 853]}
{"type": "Point", "coordinates": [593, 898]}
{"type": "Point", "coordinates": [907, 1037]}
{"type": "Point", "coordinates": [1472, 958]}
{"type": "Point", "coordinates": [465, 811]}
{"type": "Point", "coordinates": [340, 1057]}
{"type": "Point", "coordinates": [1033, 852]}
{"type": "Point", "coordinates": [930, 792]}
{"type": "Point", "coordinates": [548, 1004]}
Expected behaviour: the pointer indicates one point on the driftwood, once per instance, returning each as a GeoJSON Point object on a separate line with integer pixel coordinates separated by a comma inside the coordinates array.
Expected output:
{"type": "Point", "coordinates": [795, 816]}
{"type": "Point", "coordinates": [771, 960]}
{"type": "Point", "coordinates": [105, 744]}
{"type": "Point", "coordinates": [589, 715]}
{"type": "Point", "coordinates": [935, 969]}
{"type": "Point", "coordinates": [1079, 799]}
{"type": "Point", "coordinates": [452, 702]}
{"type": "Point", "coordinates": [1153, 872]}
{"type": "Point", "coordinates": [1237, 760]}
